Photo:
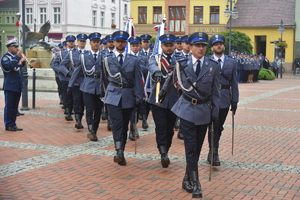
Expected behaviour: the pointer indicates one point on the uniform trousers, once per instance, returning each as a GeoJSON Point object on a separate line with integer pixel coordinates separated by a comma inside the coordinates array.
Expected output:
{"type": "Point", "coordinates": [58, 87]}
{"type": "Point", "coordinates": [78, 105]}
{"type": "Point", "coordinates": [12, 100]}
{"type": "Point", "coordinates": [119, 118]}
{"type": "Point", "coordinates": [193, 137]}
{"type": "Point", "coordinates": [164, 120]}
{"type": "Point", "coordinates": [93, 107]}
{"type": "Point", "coordinates": [223, 112]}
{"type": "Point", "coordinates": [67, 98]}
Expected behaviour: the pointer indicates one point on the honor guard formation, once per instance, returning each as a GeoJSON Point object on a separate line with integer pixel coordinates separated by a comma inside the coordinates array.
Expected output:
{"type": "Point", "coordinates": [120, 79]}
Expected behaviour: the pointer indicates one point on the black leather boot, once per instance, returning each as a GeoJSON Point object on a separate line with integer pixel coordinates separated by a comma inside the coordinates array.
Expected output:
{"type": "Point", "coordinates": [144, 122]}
{"type": "Point", "coordinates": [78, 124]}
{"type": "Point", "coordinates": [119, 157]}
{"type": "Point", "coordinates": [216, 159]}
{"type": "Point", "coordinates": [131, 133]}
{"type": "Point", "coordinates": [109, 124]}
{"type": "Point", "coordinates": [186, 182]}
{"type": "Point", "coordinates": [165, 161]}
{"type": "Point", "coordinates": [92, 135]}
{"type": "Point", "coordinates": [179, 134]}
{"type": "Point", "coordinates": [177, 124]}
{"type": "Point", "coordinates": [68, 116]}
{"type": "Point", "coordinates": [197, 191]}
{"type": "Point", "coordinates": [103, 116]}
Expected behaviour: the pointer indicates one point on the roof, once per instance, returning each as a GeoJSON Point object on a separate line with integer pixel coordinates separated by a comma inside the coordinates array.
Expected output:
{"type": "Point", "coordinates": [9, 4]}
{"type": "Point", "coordinates": [264, 13]}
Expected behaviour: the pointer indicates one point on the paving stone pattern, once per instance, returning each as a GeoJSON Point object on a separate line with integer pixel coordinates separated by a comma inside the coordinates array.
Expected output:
{"type": "Point", "coordinates": [50, 159]}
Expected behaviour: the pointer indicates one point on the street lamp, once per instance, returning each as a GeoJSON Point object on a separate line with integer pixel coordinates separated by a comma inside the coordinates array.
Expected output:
{"type": "Point", "coordinates": [281, 30]}
{"type": "Point", "coordinates": [232, 14]}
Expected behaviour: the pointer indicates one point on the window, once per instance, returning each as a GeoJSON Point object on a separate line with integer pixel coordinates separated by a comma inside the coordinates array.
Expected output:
{"type": "Point", "coordinates": [56, 15]}
{"type": "Point", "coordinates": [157, 16]}
{"type": "Point", "coordinates": [198, 15]}
{"type": "Point", "coordinates": [29, 16]}
{"type": "Point", "coordinates": [214, 14]}
{"type": "Point", "coordinates": [177, 19]}
{"type": "Point", "coordinates": [102, 19]}
{"type": "Point", "coordinates": [142, 15]}
{"type": "Point", "coordinates": [7, 20]}
{"type": "Point", "coordinates": [43, 15]}
{"type": "Point", "coordinates": [94, 14]}
{"type": "Point", "coordinates": [13, 20]}
{"type": "Point", "coordinates": [113, 18]}
{"type": "Point", "coordinates": [125, 9]}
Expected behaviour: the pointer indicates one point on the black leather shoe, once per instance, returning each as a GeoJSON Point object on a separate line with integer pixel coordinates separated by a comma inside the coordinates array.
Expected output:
{"type": "Point", "coordinates": [68, 116]}
{"type": "Point", "coordinates": [92, 135]}
{"type": "Point", "coordinates": [131, 136]}
{"type": "Point", "coordinates": [119, 157]}
{"type": "Point", "coordinates": [177, 124]}
{"type": "Point", "coordinates": [216, 159]}
{"type": "Point", "coordinates": [20, 114]}
{"type": "Point", "coordinates": [10, 128]}
{"type": "Point", "coordinates": [186, 184]}
{"type": "Point", "coordinates": [179, 135]}
{"type": "Point", "coordinates": [109, 124]}
{"type": "Point", "coordinates": [78, 124]}
{"type": "Point", "coordinates": [123, 162]}
{"type": "Point", "coordinates": [197, 190]}
{"type": "Point", "coordinates": [103, 116]}
{"type": "Point", "coordinates": [17, 129]}
{"type": "Point", "coordinates": [145, 124]}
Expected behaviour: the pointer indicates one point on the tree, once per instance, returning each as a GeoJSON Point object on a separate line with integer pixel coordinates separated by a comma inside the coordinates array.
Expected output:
{"type": "Point", "coordinates": [240, 42]}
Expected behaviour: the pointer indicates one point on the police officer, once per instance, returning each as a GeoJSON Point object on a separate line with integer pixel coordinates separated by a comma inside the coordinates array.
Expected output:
{"type": "Point", "coordinates": [145, 51]}
{"type": "Point", "coordinates": [67, 65]}
{"type": "Point", "coordinates": [91, 66]}
{"type": "Point", "coordinates": [108, 51]}
{"type": "Point", "coordinates": [178, 46]}
{"type": "Point", "coordinates": [135, 43]}
{"type": "Point", "coordinates": [64, 78]}
{"type": "Point", "coordinates": [228, 90]}
{"type": "Point", "coordinates": [123, 92]}
{"type": "Point", "coordinates": [163, 117]}
{"type": "Point", "coordinates": [12, 62]}
{"type": "Point", "coordinates": [198, 77]}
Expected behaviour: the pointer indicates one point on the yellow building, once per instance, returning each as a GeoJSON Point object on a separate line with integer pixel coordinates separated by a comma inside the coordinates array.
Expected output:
{"type": "Point", "coordinates": [258, 19]}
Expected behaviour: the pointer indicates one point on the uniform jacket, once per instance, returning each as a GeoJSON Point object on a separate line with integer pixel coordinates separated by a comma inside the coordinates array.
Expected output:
{"type": "Point", "coordinates": [172, 95]}
{"type": "Point", "coordinates": [92, 82]}
{"type": "Point", "coordinates": [228, 76]}
{"type": "Point", "coordinates": [55, 63]}
{"type": "Point", "coordinates": [13, 79]}
{"type": "Point", "coordinates": [148, 54]}
{"type": "Point", "coordinates": [133, 73]}
{"type": "Point", "coordinates": [68, 65]}
{"type": "Point", "coordinates": [208, 83]}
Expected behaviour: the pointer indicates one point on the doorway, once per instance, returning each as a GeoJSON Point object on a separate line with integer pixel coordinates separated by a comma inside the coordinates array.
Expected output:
{"type": "Point", "coordinates": [260, 44]}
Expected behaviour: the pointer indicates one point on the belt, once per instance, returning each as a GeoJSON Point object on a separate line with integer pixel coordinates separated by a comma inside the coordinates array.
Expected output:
{"type": "Point", "coordinates": [95, 76]}
{"type": "Point", "coordinates": [121, 85]}
{"type": "Point", "coordinates": [224, 86]}
{"type": "Point", "coordinates": [196, 101]}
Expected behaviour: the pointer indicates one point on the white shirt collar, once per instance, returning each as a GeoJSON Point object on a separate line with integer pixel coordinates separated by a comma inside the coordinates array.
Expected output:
{"type": "Point", "coordinates": [117, 54]}
{"type": "Point", "coordinates": [94, 52]}
{"type": "Point", "coordinates": [194, 60]}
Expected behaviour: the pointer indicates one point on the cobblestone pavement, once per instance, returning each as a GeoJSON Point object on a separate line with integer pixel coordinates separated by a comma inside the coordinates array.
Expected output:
{"type": "Point", "coordinates": [50, 159]}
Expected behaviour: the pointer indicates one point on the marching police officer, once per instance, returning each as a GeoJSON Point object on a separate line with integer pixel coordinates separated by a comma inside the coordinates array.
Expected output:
{"type": "Point", "coordinates": [163, 117]}
{"type": "Point", "coordinates": [91, 66]}
{"type": "Point", "coordinates": [145, 51]}
{"type": "Point", "coordinates": [228, 90]}
{"type": "Point", "coordinates": [198, 77]}
{"type": "Point", "coordinates": [67, 65]}
{"type": "Point", "coordinates": [64, 78]}
{"type": "Point", "coordinates": [123, 92]}
{"type": "Point", "coordinates": [135, 43]}
{"type": "Point", "coordinates": [178, 46]}
{"type": "Point", "coordinates": [11, 64]}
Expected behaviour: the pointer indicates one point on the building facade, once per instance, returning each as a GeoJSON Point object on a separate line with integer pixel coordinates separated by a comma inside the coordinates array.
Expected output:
{"type": "Point", "coordinates": [8, 28]}
{"type": "Point", "coordinates": [297, 32]}
{"type": "Point", "coordinates": [76, 16]}
{"type": "Point", "coordinates": [258, 19]}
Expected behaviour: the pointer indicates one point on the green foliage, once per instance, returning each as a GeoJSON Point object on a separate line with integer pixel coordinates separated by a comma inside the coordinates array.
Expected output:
{"type": "Point", "coordinates": [152, 40]}
{"type": "Point", "coordinates": [265, 74]}
{"type": "Point", "coordinates": [239, 42]}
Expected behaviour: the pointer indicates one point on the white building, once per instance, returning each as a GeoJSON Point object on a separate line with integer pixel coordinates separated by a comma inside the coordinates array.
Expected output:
{"type": "Point", "coordinates": [76, 16]}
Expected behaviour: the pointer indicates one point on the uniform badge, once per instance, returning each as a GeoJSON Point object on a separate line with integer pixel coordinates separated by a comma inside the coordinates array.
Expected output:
{"type": "Point", "coordinates": [5, 58]}
{"type": "Point", "coordinates": [206, 63]}
{"type": "Point", "coordinates": [210, 69]}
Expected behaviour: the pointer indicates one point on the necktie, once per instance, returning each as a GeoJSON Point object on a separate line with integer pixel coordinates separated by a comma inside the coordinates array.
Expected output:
{"type": "Point", "coordinates": [95, 56]}
{"type": "Point", "coordinates": [121, 59]}
{"type": "Point", "coordinates": [186, 55]}
{"type": "Point", "coordinates": [111, 52]}
{"type": "Point", "coordinates": [169, 59]}
{"type": "Point", "coordinates": [146, 53]}
{"type": "Point", "coordinates": [81, 51]}
{"type": "Point", "coordinates": [198, 67]}
{"type": "Point", "coordinates": [219, 60]}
